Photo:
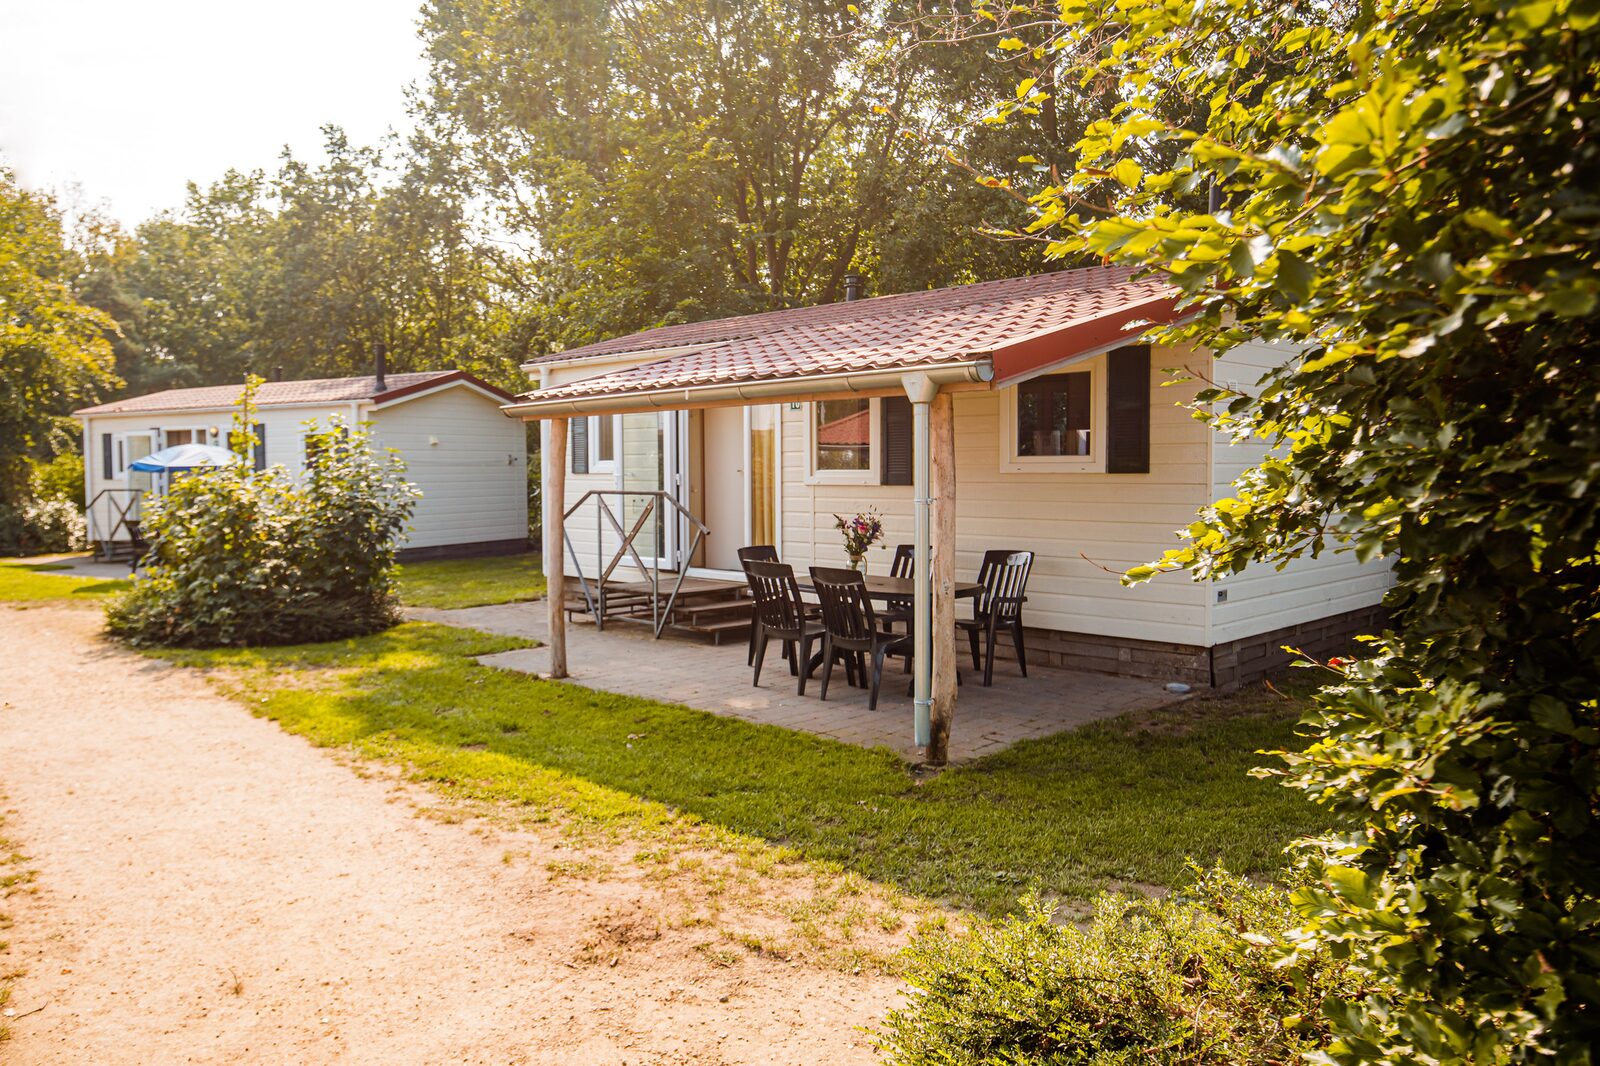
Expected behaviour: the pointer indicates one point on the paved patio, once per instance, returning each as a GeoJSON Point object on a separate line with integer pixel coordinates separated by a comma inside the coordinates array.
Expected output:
{"type": "Point", "coordinates": [76, 564]}
{"type": "Point", "coordinates": [626, 660]}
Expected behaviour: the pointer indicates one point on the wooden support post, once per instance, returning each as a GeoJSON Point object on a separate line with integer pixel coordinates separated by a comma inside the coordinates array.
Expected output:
{"type": "Point", "coordinates": [553, 493]}
{"type": "Point", "coordinates": [942, 434]}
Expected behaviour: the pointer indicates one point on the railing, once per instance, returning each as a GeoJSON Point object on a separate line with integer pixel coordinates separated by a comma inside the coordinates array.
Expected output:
{"type": "Point", "coordinates": [659, 506]}
{"type": "Point", "coordinates": [121, 507]}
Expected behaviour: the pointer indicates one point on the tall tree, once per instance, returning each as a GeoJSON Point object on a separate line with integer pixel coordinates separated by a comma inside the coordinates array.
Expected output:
{"type": "Point", "coordinates": [653, 161]}
{"type": "Point", "coordinates": [53, 348]}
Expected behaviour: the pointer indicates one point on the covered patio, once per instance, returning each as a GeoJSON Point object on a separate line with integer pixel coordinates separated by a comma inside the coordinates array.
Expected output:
{"type": "Point", "coordinates": [629, 662]}
{"type": "Point", "coordinates": [924, 348]}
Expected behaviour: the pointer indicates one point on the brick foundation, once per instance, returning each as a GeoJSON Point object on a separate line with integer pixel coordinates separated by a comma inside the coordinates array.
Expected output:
{"type": "Point", "coordinates": [464, 551]}
{"type": "Point", "coordinates": [1238, 662]}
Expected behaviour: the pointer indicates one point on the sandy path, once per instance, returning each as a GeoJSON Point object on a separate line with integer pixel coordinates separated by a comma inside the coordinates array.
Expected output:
{"type": "Point", "coordinates": [185, 849]}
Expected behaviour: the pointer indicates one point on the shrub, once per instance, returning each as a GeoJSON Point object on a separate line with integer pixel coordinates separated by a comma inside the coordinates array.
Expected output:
{"type": "Point", "coordinates": [239, 557]}
{"type": "Point", "coordinates": [1191, 979]}
{"type": "Point", "coordinates": [41, 525]}
{"type": "Point", "coordinates": [60, 478]}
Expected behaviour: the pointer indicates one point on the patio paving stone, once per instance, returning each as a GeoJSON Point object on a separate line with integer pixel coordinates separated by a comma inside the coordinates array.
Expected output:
{"type": "Point", "coordinates": [627, 661]}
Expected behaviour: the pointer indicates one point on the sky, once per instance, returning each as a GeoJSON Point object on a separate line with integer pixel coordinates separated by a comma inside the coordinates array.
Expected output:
{"type": "Point", "coordinates": [131, 99]}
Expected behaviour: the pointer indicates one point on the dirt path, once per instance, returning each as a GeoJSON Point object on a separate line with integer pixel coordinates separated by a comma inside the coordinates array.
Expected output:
{"type": "Point", "coordinates": [212, 889]}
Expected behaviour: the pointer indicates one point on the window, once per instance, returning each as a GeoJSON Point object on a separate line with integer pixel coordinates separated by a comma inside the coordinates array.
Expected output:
{"type": "Point", "coordinates": [841, 435]}
{"type": "Point", "coordinates": [182, 436]}
{"type": "Point", "coordinates": [603, 443]}
{"type": "Point", "coordinates": [1056, 422]}
{"type": "Point", "coordinates": [1053, 415]}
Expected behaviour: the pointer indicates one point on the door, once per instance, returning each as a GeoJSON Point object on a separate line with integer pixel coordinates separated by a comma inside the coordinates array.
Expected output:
{"type": "Point", "coordinates": [653, 446]}
{"type": "Point", "coordinates": [741, 481]}
{"type": "Point", "coordinates": [723, 489]}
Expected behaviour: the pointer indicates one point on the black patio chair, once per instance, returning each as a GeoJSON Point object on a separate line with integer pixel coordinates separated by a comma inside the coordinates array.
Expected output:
{"type": "Point", "coordinates": [755, 553]}
{"type": "Point", "coordinates": [851, 629]}
{"type": "Point", "coordinates": [139, 545]}
{"type": "Point", "coordinates": [1004, 577]}
{"type": "Point", "coordinates": [781, 614]}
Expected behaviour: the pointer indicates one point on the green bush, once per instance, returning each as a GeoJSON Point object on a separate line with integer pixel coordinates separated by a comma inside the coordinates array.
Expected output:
{"type": "Point", "coordinates": [1192, 979]}
{"type": "Point", "coordinates": [40, 525]}
{"type": "Point", "coordinates": [60, 478]}
{"type": "Point", "coordinates": [239, 557]}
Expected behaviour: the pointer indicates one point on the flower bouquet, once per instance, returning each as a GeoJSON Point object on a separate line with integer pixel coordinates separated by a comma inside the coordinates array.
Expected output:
{"type": "Point", "coordinates": [860, 533]}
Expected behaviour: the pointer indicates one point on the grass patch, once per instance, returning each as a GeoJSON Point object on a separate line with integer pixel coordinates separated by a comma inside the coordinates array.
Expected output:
{"type": "Point", "coordinates": [1123, 802]}
{"type": "Point", "coordinates": [30, 582]}
{"type": "Point", "coordinates": [452, 583]}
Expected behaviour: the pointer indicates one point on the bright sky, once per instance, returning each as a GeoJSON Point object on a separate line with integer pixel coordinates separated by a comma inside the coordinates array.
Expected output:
{"type": "Point", "coordinates": [132, 98]}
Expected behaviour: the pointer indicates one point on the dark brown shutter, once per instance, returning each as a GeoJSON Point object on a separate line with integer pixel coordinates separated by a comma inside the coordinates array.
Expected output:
{"type": "Point", "coordinates": [107, 464]}
{"type": "Point", "coordinates": [579, 447]}
{"type": "Point", "coordinates": [259, 451]}
{"type": "Point", "coordinates": [1128, 411]}
{"type": "Point", "coordinates": [898, 442]}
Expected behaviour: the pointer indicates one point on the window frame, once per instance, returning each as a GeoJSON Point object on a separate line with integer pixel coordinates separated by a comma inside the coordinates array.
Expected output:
{"type": "Point", "coordinates": [1093, 463]}
{"type": "Point", "coordinates": [598, 465]}
{"type": "Point", "coordinates": [867, 476]}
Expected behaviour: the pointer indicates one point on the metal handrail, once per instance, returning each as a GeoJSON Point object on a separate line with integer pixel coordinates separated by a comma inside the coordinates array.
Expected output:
{"type": "Point", "coordinates": [122, 511]}
{"type": "Point", "coordinates": [660, 502]}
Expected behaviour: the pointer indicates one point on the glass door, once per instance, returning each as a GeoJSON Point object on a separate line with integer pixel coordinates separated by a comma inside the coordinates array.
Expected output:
{"type": "Point", "coordinates": [652, 447]}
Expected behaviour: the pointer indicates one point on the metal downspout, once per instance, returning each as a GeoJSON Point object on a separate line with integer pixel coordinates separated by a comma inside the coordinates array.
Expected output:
{"type": "Point", "coordinates": [921, 389]}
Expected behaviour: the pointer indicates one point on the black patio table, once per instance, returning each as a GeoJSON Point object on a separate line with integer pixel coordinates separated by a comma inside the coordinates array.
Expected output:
{"type": "Point", "coordinates": [884, 587]}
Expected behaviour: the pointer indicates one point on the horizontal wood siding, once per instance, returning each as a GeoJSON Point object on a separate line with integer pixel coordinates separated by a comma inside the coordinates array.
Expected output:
{"type": "Point", "coordinates": [1262, 599]}
{"type": "Point", "coordinates": [1086, 528]}
{"type": "Point", "coordinates": [473, 480]}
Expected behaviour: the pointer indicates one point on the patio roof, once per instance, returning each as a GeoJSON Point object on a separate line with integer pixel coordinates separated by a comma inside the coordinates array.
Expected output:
{"type": "Point", "coordinates": [1000, 330]}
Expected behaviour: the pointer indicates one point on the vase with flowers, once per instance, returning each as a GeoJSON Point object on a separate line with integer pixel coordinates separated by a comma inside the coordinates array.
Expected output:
{"type": "Point", "coordinates": [861, 532]}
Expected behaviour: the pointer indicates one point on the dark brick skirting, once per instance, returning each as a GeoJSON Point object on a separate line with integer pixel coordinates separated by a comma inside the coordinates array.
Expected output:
{"type": "Point", "coordinates": [1237, 662]}
{"type": "Point", "coordinates": [464, 551]}
{"type": "Point", "coordinates": [1246, 661]}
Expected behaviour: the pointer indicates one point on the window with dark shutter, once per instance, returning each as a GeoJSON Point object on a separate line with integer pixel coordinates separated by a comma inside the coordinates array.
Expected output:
{"type": "Point", "coordinates": [578, 448]}
{"type": "Point", "coordinates": [898, 441]}
{"type": "Point", "coordinates": [258, 452]}
{"type": "Point", "coordinates": [108, 467]}
{"type": "Point", "coordinates": [1128, 411]}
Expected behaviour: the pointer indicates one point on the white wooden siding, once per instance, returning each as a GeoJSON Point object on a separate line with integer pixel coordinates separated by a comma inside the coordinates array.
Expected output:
{"type": "Point", "coordinates": [469, 461]}
{"type": "Point", "coordinates": [470, 492]}
{"type": "Point", "coordinates": [1261, 598]}
{"type": "Point", "coordinates": [1081, 525]}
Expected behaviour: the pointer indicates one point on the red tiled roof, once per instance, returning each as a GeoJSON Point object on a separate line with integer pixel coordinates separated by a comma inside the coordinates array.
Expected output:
{"type": "Point", "coordinates": [849, 431]}
{"type": "Point", "coordinates": [1021, 322]}
{"type": "Point", "coordinates": [289, 393]}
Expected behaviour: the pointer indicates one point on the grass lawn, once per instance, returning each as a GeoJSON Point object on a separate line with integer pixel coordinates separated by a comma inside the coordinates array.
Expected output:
{"type": "Point", "coordinates": [21, 582]}
{"type": "Point", "coordinates": [1126, 801]}
{"type": "Point", "coordinates": [449, 583]}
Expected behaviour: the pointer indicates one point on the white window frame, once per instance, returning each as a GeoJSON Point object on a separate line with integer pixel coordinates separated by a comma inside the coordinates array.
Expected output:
{"type": "Point", "coordinates": [203, 433]}
{"type": "Point", "coordinates": [598, 465]}
{"type": "Point", "coordinates": [1093, 463]}
{"type": "Point", "coordinates": [869, 476]}
{"type": "Point", "coordinates": [120, 466]}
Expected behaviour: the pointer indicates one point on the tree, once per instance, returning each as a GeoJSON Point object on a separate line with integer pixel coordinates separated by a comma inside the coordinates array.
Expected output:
{"type": "Point", "coordinates": [1408, 195]}
{"type": "Point", "coordinates": [53, 349]}
{"type": "Point", "coordinates": [659, 161]}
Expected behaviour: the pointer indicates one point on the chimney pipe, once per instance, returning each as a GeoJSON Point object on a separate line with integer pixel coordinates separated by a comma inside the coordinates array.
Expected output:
{"type": "Point", "coordinates": [277, 373]}
{"type": "Point", "coordinates": [854, 286]}
{"type": "Point", "coordinates": [380, 366]}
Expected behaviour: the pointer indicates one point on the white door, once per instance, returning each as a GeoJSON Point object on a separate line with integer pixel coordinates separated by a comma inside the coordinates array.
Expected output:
{"type": "Point", "coordinates": [724, 486]}
{"type": "Point", "coordinates": [652, 449]}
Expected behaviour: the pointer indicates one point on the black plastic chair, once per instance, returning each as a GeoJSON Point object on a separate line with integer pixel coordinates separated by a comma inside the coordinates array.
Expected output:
{"type": "Point", "coordinates": [780, 613]}
{"type": "Point", "coordinates": [1004, 577]}
{"type": "Point", "coordinates": [141, 547]}
{"type": "Point", "coordinates": [851, 628]}
{"type": "Point", "coordinates": [755, 553]}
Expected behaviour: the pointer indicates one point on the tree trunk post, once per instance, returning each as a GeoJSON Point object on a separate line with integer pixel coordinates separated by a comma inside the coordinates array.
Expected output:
{"type": "Point", "coordinates": [942, 432]}
{"type": "Point", "coordinates": [553, 490]}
